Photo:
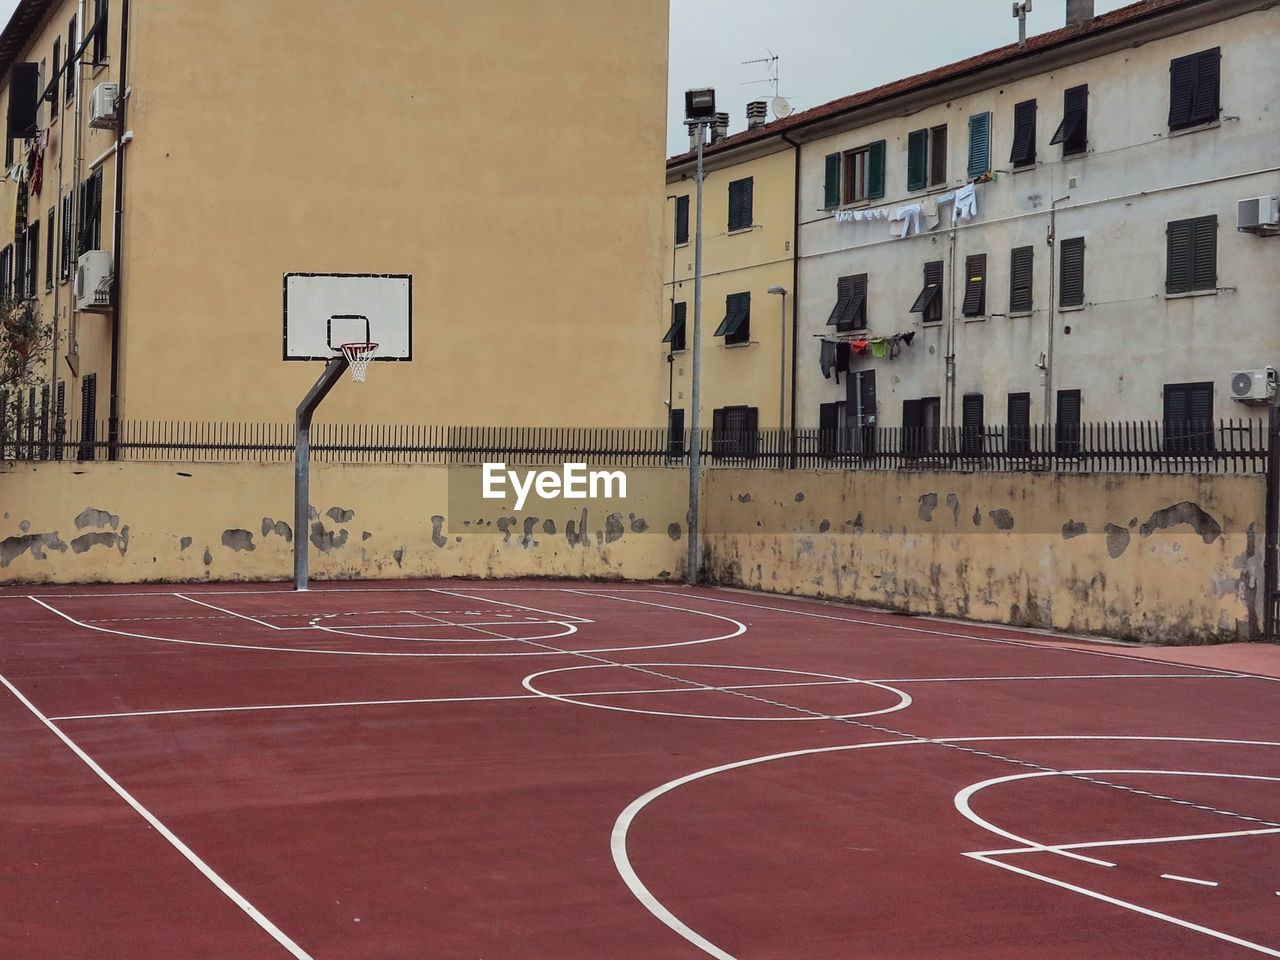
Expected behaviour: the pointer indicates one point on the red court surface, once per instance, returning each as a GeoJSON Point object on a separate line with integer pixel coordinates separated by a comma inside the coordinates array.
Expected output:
{"type": "Point", "coordinates": [489, 770]}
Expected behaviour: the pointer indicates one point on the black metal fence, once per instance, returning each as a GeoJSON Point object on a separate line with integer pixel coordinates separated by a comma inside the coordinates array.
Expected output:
{"type": "Point", "coordinates": [1226, 446]}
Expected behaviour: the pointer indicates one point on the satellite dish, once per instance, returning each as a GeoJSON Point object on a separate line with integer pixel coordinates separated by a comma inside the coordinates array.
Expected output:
{"type": "Point", "coordinates": [781, 108]}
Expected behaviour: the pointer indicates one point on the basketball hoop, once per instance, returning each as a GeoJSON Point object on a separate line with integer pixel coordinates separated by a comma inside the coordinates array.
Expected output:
{"type": "Point", "coordinates": [358, 356]}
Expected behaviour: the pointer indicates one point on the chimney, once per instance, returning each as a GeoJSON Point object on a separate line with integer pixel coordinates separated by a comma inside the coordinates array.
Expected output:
{"type": "Point", "coordinates": [695, 131]}
{"type": "Point", "coordinates": [719, 127]}
{"type": "Point", "coordinates": [1078, 12]}
{"type": "Point", "coordinates": [757, 114]}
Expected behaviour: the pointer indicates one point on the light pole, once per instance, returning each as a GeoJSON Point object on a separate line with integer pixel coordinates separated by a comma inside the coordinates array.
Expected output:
{"type": "Point", "coordinates": [700, 110]}
{"type": "Point", "coordinates": [782, 362]}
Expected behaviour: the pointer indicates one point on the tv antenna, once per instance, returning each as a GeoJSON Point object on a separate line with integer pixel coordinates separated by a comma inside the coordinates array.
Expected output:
{"type": "Point", "coordinates": [780, 105]}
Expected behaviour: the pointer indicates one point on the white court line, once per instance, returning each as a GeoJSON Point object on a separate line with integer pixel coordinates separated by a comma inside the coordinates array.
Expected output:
{"type": "Point", "coordinates": [1132, 842]}
{"type": "Point", "coordinates": [555, 614]}
{"type": "Point", "coordinates": [291, 706]}
{"type": "Point", "coordinates": [1174, 876]}
{"type": "Point", "coordinates": [209, 873]}
{"type": "Point", "coordinates": [622, 826]}
{"type": "Point", "coordinates": [230, 613]}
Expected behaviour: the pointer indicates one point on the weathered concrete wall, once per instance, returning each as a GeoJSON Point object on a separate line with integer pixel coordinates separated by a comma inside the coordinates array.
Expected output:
{"type": "Point", "coordinates": [99, 522]}
{"type": "Point", "coordinates": [1159, 558]}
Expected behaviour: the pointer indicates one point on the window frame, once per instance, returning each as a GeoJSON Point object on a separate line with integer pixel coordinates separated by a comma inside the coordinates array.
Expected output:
{"type": "Point", "coordinates": [738, 441]}
{"type": "Point", "coordinates": [1068, 430]}
{"type": "Point", "coordinates": [1018, 424]}
{"type": "Point", "coordinates": [1018, 271]}
{"type": "Point", "coordinates": [1023, 151]}
{"type": "Point", "coordinates": [1073, 131]}
{"type": "Point", "coordinates": [929, 301]}
{"type": "Point", "coordinates": [973, 434]}
{"type": "Point", "coordinates": [73, 62]}
{"type": "Point", "coordinates": [743, 206]}
{"type": "Point", "coordinates": [1186, 76]}
{"type": "Point", "coordinates": [681, 232]}
{"type": "Point", "coordinates": [850, 312]}
{"type": "Point", "coordinates": [1196, 232]}
{"type": "Point", "coordinates": [678, 333]}
{"type": "Point", "coordinates": [975, 286]}
{"type": "Point", "coordinates": [980, 165]}
{"type": "Point", "coordinates": [736, 325]}
{"type": "Point", "coordinates": [1072, 274]}
{"type": "Point", "coordinates": [1186, 439]}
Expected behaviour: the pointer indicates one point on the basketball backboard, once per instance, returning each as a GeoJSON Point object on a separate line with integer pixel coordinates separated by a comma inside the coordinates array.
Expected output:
{"type": "Point", "coordinates": [322, 311]}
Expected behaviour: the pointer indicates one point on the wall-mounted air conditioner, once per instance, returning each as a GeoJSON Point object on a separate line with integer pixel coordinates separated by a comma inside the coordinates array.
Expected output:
{"type": "Point", "coordinates": [1254, 386]}
{"type": "Point", "coordinates": [93, 281]}
{"type": "Point", "coordinates": [102, 105]}
{"type": "Point", "coordinates": [1260, 215]}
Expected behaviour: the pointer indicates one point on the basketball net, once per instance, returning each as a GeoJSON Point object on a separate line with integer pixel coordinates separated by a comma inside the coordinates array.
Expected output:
{"type": "Point", "coordinates": [358, 356]}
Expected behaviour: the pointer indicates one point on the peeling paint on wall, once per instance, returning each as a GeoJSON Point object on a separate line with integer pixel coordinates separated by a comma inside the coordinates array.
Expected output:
{"type": "Point", "coordinates": [549, 527]}
{"type": "Point", "coordinates": [184, 544]}
{"type": "Point", "coordinates": [504, 524]}
{"type": "Point", "coordinates": [613, 529]}
{"type": "Point", "coordinates": [238, 540]}
{"type": "Point", "coordinates": [1118, 539]}
{"type": "Point", "coordinates": [928, 504]}
{"type": "Point", "coordinates": [674, 532]}
{"type": "Point", "coordinates": [325, 540]}
{"type": "Point", "coordinates": [638, 524]}
{"type": "Point", "coordinates": [92, 517]}
{"type": "Point", "coordinates": [953, 504]}
{"type": "Point", "coordinates": [1003, 519]}
{"type": "Point", "coordinates": [1073, 528]}
{"type": "Point", "coordinates": [87, 541]}
{"type": "Point", "coordinates": [13, 547]}
{"type": "Point", "coordinates": [208, 557]}
{"type": "Point", "coordinates": [1186, 512]}
{"type": "Point", "coordinates": [277, 527]}
{"type": "Point", "coordinates": [339, 515]}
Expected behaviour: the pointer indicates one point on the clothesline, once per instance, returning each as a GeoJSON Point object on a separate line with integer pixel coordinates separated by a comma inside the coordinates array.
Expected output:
{"type": "Point", "coordinates": [836, 353]}
{"type": "Point", "coordinates": [921, 216]}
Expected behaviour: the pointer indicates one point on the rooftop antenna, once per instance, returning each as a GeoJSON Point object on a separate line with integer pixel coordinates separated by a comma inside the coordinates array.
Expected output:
{"type": "Point", "coordinates": [1020, 10]}
{"type": "Point", "coordinates": [780, 105]}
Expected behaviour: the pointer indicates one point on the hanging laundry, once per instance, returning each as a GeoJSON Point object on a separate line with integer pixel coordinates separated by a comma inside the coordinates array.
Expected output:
{"type": "Point", "coordinates": [966, 203]}
{"type": "Point", "coordinates": [828, 360]}
{"type": "Point", "coordinates": [909, 338]}
{"type": "Point", "coordinates": [880, 348]}
{"type": "Point", "coordinates": [842, 359]}
{"type": "Point", "coordinates": [931, 216]}
{"type": "Point", "coordinates": [860, 346]}
{"type": "Point", "coordinates": [906, 221]}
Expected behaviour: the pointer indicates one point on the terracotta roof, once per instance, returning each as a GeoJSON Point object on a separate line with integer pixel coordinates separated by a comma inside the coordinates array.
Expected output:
{"type": "Point", "coordinates": [26, 18]}
{"type": "Point", "coordinates": [1000, 55]}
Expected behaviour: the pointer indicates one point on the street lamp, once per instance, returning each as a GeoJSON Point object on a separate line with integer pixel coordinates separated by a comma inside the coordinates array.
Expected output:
{"type": "Point", "coordinates": [782, 353]}
{"type": "Point", "coordinates": [700, 111]}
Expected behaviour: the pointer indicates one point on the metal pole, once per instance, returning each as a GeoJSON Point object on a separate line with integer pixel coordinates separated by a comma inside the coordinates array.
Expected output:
{"type": "Point", "coordinates": [695, 436]}
{"type": "Point", "coordinates": [302, 466]}
{"type": "Point", "coordinates": [782, 376]}
{"type": "Point", "coordinates": [1271, 560]}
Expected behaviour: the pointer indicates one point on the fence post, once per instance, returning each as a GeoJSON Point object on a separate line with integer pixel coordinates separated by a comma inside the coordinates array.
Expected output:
{"type": "Point", "coordinates": [1270, 560]}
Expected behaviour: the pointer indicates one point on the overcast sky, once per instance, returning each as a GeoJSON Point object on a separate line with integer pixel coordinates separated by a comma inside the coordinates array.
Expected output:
{"type": "Point", "coordinates": [829, 48]}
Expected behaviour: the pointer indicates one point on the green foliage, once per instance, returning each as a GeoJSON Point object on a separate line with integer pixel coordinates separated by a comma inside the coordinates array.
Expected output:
{"type": "Point", "coordinates": [24, 340]}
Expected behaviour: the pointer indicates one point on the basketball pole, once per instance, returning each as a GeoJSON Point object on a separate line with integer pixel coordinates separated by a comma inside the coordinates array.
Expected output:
{"type": "Point", "coordinates": [302, 466]}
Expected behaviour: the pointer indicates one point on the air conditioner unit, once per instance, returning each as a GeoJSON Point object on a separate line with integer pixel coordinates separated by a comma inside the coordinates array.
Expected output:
{"type": "Point", "coordinates": [1260, 215]}
{"type": "Point", "coordinates": [1254, 386]}
{"type": "Point", "coordinates": [93, 281]}
{"type": "Point", "coordinates": [102, 105]}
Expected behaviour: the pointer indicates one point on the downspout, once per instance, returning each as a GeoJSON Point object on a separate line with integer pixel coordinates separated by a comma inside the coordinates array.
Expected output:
{"type": "Point", "coordinates": [1052, 313]}
{"type": "Point", "coordinates": [117, 239]}
{"type": "Point", "coordinates": [795, 298]}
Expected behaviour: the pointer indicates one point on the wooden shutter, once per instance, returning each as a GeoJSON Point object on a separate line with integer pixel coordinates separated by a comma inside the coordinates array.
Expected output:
{"type": "Point", "coordinates": [851, 294]}
{"type": "Point", "coordinates": [1182, 90]}
{"type": "Point", "coordinates": [675, 433]}
{"type": "Point", "coordinates": [938, 155]}
{"type": "Point", "coordinates": [100, 22]}
{"type": "Point", "coordinates": [682, 219]}
{"type": "Point", "coordinates": [1068, 440]}
{"type": "Point", "coordinates": [831, 188]}
{"type": "Point", "coordinates": [55, 81]}
{"type": "Point", "coordinates": [1024, 134]}
{"type": "Point", "coordinates": [1206, 99]}
{"type": "Point", "coordinates": [974, 425]}
{"type": "Point", "coordinates": [33, 258]}
{"type": "Point", "coordinates": [1019, 423]}
{"type": "Point", "coordinates": [676, 332]}
{"type": "Point", "coordinates": [1071, 283]}
{"type": "Point", "coordinates": [913, 440]}
{"type": "Point", "coordinates": [50, 243]}
{"type": "Point", "coordinates": [24, 81]}
{"type": "Point", "coordinates": [876, 169]}
{"type": "Point", "coordinates": [88, 416]}
{"type": "Point", "coordinates": [748, 202]}
{"type": "Point", "coordinates": [1180, 259]}
{"type": "Point", "coordinates": [1204, 244]}
{"type": "Point", "coordinates": [918, 160]}
{"type": "Point", "coordinates": [932, 291]}
{"type": "Point", "coordinates": [1188, 417]}
{"type": "Point", "coordinates": [1021, 277]}
{"type": "Point", "coordinates": [979, 144]}
{"type": "Point", "coordinates": [975, 285]}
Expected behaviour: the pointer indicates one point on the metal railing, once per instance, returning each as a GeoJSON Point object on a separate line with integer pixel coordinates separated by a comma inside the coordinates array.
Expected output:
{"type": "Point", "coordinates": [1225, 446]}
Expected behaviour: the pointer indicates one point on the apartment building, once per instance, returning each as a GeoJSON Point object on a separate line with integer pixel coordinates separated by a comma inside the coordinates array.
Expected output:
{"type": "Point", "coordinates": [1046, 234]}
{"type": "Point", "coordinates": [253, 140]}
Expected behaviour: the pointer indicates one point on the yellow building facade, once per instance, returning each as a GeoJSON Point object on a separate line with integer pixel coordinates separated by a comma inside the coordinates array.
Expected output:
{"type": "Point", "coordinates": [511, 178]}
{"type": "Point", "coordinates": [748, 250]}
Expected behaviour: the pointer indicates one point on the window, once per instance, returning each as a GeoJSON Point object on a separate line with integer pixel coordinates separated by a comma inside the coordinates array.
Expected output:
{"type": "Point", "coordinates": [929, 302]}
{"type": "Point", "coordinates": [860, 394]}
{"type": "Point", "coordinates": [741, 202]}
{"type": "Point", "coordinates": [927, 158]}
{"type": "Point", "coordinates": [1193, 255]}
{"type": "Point", "coordinates": [6, 271]}
{"type": "Point", "coordinates": [42, 78]}
{"type": "Point", "coordinates": [1019, 423]}
{"type": "Point", "coordinates": [975, 285]}
{"type": "Point", "coordinates": [682, 220]}
{"type": "Point", "coordinates": [1188, 418]}
{"type": "Point", "coordinates": [72, 61]}
{"type": "Point", "coordinates": [973, 426]}
{"type": "Point", "coordinates": [68, 210]}
{"type": "Point", "coordinates": [1024, 134]}
{"type": "Point", "coordinates": [100, 21]}
{"type": "Point", "coordinates": [832, 431]}
{"type": "Point", "coordinates": [736, 325]}
{"type": "Point", "coordinates": [8, 150]}
{"type": "Point", "coordinates": [88, 416]}
{"type": "Point", "coordinates": [91, 213]}
{"type": "Point", "coordinates": [1195, 89]}
{"type": "Point", "coordinates": [50, 230]}
{"type": "Point", "coordinates": [56, 80]}
{"type": "Point", "coordinates": [31, 265]}
{"type": "Point", "coordinates": [735, 431]}
{"type": "Point", "coordinates": [1071, 284]}
{"type": "Point", "coordinates": [44, 422]}
{"type": "Point", "coordinates": [938, 155]}
{"type": "Point", "coordinates": [1021, 279]}
{"type": "Point", "coordinates": [1068, 440]}
{"type": "Point", "coordinates": [979, 145]}
{"type": "Point", "coordinates": [850, 311]}
{"type": "Point", "coordinates": [864, 173]}
{"type": "Point", "coordinates": [921, 422]}
{"type": "Point", "coordinates": [675, 433]}
{"type": "Point", "coordinates": [676, 335]}
{"type": "Point", "coordinates": [1073, 132]}
{"type": "Point", "coordinates": [59, 419]}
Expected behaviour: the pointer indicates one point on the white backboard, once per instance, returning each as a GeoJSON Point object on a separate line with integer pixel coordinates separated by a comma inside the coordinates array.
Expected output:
{"type": "Point", "coordinates": [322, 311]}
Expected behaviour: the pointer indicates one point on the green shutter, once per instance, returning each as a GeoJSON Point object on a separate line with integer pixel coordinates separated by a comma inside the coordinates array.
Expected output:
{"type": "Point", "coordinates": [832, 187]}
{"type": "Point", "coordinates": [918, 160]}
{"type": "Point", "coordinates": [875, 170]}
{"type": "Point", "coordinates": [979, 144]}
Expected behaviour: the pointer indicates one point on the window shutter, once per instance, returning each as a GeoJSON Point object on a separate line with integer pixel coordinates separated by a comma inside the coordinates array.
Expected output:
{"type": "Point", "coordinates": [1021, 275]}
{"type": "Point", "coordinates": [973, 425]}
{"type": "Point", "coordinates": [1178, 276]}
{"type": "Point", "coordinates": [938, 155]}
{"type": "Point", "coordinates": [875, 170]}
{"type": "Point", "coordinates": [859, 293]}
{"type": "Point", "coordinates": [1204, 243]}
{"type": "Point", "coordinates": [50, 241]}
{"type": "Point", "coordinates": [1019, 422]}
{"type": "Point", "coordinates": [735, 204]}
{"type": "Point", "coordinates": [1068, 440]}
{"type": "Point", "coordinates": [831, 188]}
{"type": "Point", "coordinates": [975, 290]}
{"type": "Point", "coordinates": [1071, 285]}
{"type": "Point", "coordinates": [88, 416]}
{"type": "Point", "coordinates": [1205, 102]}
{"type": "Point", "coordinates": [1024, 134]}
{"type": "Point", "coordinates": [748, 202]}
{"type": "Point", "coordinates": [918, 160]}
{"type": "Point", "coordinates": [682, 219]}
{"type": "Point", "coordinates": [1182, 88]}
{"type": "Point", "coordinates": [979, 144]}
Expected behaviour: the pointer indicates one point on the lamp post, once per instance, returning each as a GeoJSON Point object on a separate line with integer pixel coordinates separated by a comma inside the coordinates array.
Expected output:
{"type": "Point", "coordinates": [782, 362]}
{"type": "Point", "coordinates": [700, 111]}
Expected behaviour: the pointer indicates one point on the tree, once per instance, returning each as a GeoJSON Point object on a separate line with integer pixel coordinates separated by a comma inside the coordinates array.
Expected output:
{"type": "Point", "coordinates": [25, 340]}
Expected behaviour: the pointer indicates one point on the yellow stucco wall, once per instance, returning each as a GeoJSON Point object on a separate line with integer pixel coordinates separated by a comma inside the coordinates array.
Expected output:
{"type": "Point", "coordinates": [132, 522]}
{"type": "Point", "coordinates": [1165, 559]}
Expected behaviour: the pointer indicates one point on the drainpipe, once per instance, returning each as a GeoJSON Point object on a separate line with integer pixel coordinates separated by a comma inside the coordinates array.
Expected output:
{"type": "Point", "coordinates": [1053, 312]}
{"type": "Point", "coordinates": [795, 300]}
{"type": "Point", "coordinates": [117, 240]}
